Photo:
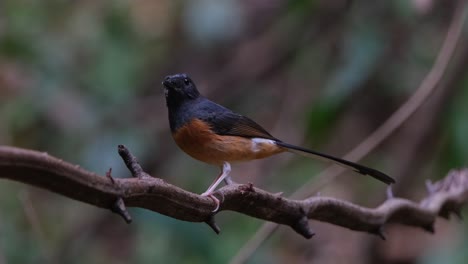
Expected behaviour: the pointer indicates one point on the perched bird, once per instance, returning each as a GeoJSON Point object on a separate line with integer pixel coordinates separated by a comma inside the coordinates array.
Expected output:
{"type": "Point", "coordinates": [216, 135]}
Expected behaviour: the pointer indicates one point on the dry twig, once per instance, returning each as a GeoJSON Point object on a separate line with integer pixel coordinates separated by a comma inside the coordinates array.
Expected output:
{"type": "Point", "coordinates": [42, 170]}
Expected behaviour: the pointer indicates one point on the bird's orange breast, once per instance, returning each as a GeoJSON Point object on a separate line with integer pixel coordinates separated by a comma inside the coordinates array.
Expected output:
{"type": "Point", "coordinates": [198, 140]}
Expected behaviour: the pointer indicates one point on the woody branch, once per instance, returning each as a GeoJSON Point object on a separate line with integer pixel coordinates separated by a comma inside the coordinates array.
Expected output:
{"type": "Point", "coordinates": [39, 169]}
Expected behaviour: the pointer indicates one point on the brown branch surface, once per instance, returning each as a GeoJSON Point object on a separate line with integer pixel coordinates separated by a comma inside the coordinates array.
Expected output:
{"type": "Point", "coordinates": [42, 170]}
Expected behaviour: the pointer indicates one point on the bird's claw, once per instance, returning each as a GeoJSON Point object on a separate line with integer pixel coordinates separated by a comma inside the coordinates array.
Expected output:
{"type": "Point", "coordinates": [214, 199]}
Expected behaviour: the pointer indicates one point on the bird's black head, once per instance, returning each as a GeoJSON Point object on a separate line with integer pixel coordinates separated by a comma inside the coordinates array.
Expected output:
{"type": "Point", "coordinates": [179, 88]}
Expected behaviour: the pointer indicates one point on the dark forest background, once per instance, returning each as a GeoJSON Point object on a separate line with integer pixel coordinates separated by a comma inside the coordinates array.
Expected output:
{"type": "Point", "coordinates": [77, 78]}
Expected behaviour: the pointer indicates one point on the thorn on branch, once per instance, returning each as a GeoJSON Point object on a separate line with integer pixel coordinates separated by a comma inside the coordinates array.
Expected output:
{"type": "Point", "coordinates": [429, 187]}
{"type": "Point", "coordinates": [429, 228]}
{"type": "Point", "coordinates": [444, 214]}
{"type": "Point", "coordinates": [119, 208]}
{"type": "Point", "coordinates": [457, 212]}
{"type": "Point", "coordinates": [247, 187]}
{"type": "Point", "coordinates": [109, 175]}
{"type": "Point", "coordinates": [212, 223]}
{"type": "Point", "coordinates": [302, 227]}
{"type": "Point", "coordinates": [447, 211]}
{"type": "Point", "coordinates": [381, 233]}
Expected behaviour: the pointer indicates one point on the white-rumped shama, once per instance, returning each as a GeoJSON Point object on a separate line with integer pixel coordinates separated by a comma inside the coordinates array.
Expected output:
{"type": "Point", "coordinates": [216, 135]}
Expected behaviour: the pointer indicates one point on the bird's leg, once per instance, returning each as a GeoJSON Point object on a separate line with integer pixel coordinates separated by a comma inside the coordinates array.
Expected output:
{"type": "Point", "coordinates": [226, 169]}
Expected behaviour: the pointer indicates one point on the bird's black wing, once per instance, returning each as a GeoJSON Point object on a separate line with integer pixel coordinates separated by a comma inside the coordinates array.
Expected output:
{"type": "Point", "coordinates": [225, 122]}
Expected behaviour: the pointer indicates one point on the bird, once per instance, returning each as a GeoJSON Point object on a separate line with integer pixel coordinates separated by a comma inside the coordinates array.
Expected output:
{"type": "Point", "coordinates": [216, 135]}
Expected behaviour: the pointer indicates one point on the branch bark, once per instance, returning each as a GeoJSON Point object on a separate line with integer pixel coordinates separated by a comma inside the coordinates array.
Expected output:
{"type": "Point", "coordinates": [42, 170]}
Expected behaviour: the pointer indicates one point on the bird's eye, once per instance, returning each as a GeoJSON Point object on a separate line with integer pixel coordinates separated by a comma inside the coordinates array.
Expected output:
{"type": "Point", "coordinates": [186, 81]}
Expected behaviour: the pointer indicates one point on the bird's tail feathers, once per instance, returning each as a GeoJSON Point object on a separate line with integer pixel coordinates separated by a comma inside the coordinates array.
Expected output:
{"type": "Point", "coordinates": [343, 163]}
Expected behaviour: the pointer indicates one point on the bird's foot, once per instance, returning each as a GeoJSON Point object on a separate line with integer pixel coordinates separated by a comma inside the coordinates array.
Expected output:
{"type": "Point", "coordinates": [216, 200]}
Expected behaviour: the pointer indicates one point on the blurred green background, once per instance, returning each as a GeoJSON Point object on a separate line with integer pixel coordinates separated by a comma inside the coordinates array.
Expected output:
{"type": "Point", "coordinates": [77, 78]}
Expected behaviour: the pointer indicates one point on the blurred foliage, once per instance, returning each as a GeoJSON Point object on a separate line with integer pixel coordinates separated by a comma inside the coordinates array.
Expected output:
{"type": "Point", "coordinates": [77, 78]}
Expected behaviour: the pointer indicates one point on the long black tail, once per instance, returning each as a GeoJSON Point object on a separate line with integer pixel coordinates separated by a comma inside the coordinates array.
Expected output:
{"type": "Point", "coordinates": [344, 163]}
